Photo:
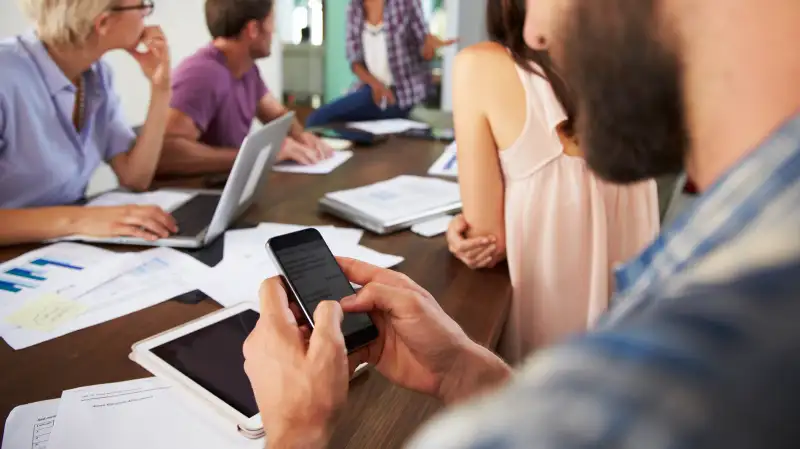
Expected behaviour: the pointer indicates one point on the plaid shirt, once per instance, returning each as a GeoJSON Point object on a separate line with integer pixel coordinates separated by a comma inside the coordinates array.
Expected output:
{"type": "Point", "coordinates": [700, 349]}
{"type": "Point", "coordinates": [405, 28]}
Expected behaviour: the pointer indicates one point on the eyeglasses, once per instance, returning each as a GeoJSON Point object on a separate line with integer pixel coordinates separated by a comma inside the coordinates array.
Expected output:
{"type": "Point", "coordinates": [147, 6]}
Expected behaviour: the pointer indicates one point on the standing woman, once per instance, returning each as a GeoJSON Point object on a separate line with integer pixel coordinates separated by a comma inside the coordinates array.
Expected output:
{"type": "Point", "coordinates": [528, 194]}
{"type": "Point", "coordinates": [388, 47]}
{"type": "Point", "coordinates": [60, 119]}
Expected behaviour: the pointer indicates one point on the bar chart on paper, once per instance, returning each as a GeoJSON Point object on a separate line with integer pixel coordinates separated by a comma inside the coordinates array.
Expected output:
{"type": "Point", "coordinates": [29, 275]}
{"type": "Point", "coordinates": [50, 266]}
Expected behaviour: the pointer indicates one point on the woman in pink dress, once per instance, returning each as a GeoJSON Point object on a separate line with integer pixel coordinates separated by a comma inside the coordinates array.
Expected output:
{"type": "Point", "coordinates": [528, 194]}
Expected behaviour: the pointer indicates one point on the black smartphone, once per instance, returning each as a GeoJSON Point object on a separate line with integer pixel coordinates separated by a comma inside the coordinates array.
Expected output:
{"type": "Point", "coordinates": [313, 275]}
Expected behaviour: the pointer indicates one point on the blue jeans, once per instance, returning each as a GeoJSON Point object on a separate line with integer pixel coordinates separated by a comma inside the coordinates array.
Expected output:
{"type": "Point", "coordinates": [354, 107]}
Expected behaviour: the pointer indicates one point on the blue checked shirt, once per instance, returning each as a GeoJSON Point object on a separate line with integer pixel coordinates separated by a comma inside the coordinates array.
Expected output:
{"type": "Point", "coordinates": [701, 348]}
{"type": "Point", "coordinates": [405, 29]}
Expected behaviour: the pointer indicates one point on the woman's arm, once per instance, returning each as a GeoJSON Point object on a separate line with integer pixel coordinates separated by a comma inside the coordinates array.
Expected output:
{"type": "Point", "coordinates": [136, 168]}
{"type": "Point", "coordinates": [44, 223]}
{"type": "Point", "coordinates": [480, 174]}
{"type": "Point", "coordinates": [33, 225]}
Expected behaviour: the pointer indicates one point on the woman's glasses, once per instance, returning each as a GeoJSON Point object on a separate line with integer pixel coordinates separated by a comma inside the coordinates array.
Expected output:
{"type": "Point", "coordinates": [146, 7]}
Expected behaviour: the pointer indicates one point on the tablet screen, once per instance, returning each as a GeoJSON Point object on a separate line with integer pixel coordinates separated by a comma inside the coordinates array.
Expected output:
{"type": "Point", "coordinates": [212, 357]}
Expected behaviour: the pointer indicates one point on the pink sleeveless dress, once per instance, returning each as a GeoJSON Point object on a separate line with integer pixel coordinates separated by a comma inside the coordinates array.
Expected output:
{"type": "Point", "coordinates": [566, 230]}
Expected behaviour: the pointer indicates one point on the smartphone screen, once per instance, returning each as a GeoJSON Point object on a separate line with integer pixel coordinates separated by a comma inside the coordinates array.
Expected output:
{"type": "Point", "coordinates": [314, 276]}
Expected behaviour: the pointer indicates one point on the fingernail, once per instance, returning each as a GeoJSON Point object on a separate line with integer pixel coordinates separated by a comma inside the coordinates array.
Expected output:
{"type": "Point", "coordinates": [492, 248]}
{"type": "Point", "coordinates": [484, 241]}
{"type": "Point", "coordinates": [348, 300]}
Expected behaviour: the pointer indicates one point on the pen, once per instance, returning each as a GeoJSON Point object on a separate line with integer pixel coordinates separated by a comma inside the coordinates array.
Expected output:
{"type": "Point", "coordinates": [451, 162]}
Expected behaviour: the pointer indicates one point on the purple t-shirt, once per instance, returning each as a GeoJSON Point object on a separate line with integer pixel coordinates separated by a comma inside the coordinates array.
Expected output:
{"type": "Point", "coordinates": [221, 106]}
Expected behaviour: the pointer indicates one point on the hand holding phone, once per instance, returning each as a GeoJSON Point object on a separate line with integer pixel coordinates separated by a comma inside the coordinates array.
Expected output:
{"type": "Point", "coordinates": [312, 275]}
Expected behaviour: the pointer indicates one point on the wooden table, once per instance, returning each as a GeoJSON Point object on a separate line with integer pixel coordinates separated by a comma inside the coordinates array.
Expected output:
{"type": "Point", "coordinates": [378, 414]}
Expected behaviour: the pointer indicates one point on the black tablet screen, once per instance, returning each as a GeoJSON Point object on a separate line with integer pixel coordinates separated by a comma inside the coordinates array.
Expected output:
{"type": "Point", "coordinates": [212, 357]}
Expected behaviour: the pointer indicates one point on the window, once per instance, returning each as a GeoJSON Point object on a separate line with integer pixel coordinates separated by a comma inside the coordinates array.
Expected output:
{"type": "Point", "coordinates": [307, 22]}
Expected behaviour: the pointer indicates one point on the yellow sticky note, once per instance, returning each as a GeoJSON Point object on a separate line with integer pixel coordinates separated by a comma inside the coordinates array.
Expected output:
{"type": "Point", "coordinates": [46, 313]}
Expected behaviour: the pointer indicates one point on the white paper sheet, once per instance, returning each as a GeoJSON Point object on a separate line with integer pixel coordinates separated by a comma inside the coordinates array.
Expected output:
{"type": "Point", "coordinates": [320, 168]}
{"type": "Point", "coordinates": [246, 244]}
{"type": "Point", "coordinates": [29, 426]}
{"type": "Point", "coordinates": [433, 227]}
{"type": "Point", "coordinates": [143, 280]}
{"type": "Point", "coordinates": [137, 414]}
{"type": "Point", "coordinates": [370, 256]}
{"type": "Point", "coordinates": [246, 262]}
{"type": "Point", "coordinates": [447, 164]}
{"type": "Point", "coordinates": [57, 272]}
{"type": "Point", "coordinates": [390, 126]}
{"type": "Point", "coordinates": [166, 199]}
{"type": "Point", "coordinates": [48, 269]}
{"type": "Point", "coordinates": [400, 197]}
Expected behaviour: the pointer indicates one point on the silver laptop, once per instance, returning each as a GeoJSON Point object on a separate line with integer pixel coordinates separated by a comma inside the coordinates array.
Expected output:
{"type": "Point", "coordinates": [370, 223]}
{"type": "Point", "coordinates": [209, 213]}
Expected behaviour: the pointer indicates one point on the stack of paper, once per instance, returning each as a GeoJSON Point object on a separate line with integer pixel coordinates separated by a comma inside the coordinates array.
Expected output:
{"type": "Point", "coordinates": [400, 197]}
{"type": "Point", "coordinates": [447, 164]}
{"type": "Point", "coordinates": [66, 287]}
{"type": "Point", "coordinates": [390, 126]}
{"type": "Point", "coordinates": [143, 413]}
{"type": "Point", "coordinates": [246, 263]}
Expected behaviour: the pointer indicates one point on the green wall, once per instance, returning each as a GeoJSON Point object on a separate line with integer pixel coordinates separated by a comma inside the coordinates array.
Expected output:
{"type": "Point", "coordinates": [338, 76]}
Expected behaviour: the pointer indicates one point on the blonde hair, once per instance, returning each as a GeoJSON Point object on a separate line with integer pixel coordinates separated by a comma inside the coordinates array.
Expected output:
{"type": "Point", "coordinates": [65, 22]}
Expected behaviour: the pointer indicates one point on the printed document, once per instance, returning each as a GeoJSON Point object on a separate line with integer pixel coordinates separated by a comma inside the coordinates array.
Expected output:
{"type": "Point", "coordinates": [138, 414]}
{"type": "Point", "coordinates": [447, 164]}
{"type": "Point", "coordinates": [29, 426]}
{"type": "Point", "coordinates": [132, 282]}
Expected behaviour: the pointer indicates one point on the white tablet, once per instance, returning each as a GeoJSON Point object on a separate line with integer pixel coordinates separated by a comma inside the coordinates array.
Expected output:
{"type": "Point", "coordinates": [204, 359]}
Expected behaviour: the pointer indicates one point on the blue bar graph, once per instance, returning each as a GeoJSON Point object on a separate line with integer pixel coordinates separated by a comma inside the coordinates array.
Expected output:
{"type": "Point", "coordinates": [27, 274]}
{"type": "Point", "coordinates": [9, 287]}
{"type": "Point", "coordinates": [55, 263]}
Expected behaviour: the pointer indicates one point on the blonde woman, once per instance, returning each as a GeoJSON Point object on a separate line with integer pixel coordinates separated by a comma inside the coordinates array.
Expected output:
{"type": "Point", "coordinates": [60, 118]}
{"type": "Point", "coordinates": [529, 195]}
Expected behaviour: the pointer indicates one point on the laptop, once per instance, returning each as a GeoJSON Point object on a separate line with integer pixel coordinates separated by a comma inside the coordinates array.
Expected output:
{"type": "Point", "coordinates": [206, 214]}
{"type": "Point", "coordinates": [394, 204]}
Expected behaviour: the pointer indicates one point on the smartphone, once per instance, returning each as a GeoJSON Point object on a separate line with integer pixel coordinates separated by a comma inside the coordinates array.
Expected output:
{"type": "Point", "coordinates": [311, 272]}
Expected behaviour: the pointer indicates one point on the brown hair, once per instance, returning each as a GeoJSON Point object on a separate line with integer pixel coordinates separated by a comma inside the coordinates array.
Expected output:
{"type": "Point", "coordinates": [227, 18]}
{"type": "Point", "coordinates": [505, 20]}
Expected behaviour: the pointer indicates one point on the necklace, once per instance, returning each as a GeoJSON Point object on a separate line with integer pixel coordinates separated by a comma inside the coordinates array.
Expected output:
{"type": "Point", "coordinates": [79, 114]}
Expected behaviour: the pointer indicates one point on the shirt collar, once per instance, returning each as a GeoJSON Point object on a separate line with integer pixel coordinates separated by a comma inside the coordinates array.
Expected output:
{"type": "Point", "coordinates": [53, 77]}
{"type": "Point", "coordinates": [730, 205]}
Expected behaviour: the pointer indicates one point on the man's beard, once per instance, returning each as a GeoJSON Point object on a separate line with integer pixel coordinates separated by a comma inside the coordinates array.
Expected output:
{"type": "Point", "coordinates": [628, 88]}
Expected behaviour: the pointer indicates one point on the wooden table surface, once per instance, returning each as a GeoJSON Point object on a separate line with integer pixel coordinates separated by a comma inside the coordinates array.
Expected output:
{"type": "Point", "coordinates": [378, 414]}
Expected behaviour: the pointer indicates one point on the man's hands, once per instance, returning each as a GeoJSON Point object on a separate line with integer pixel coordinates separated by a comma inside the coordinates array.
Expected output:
{"type": "Point", "coordinates": [419, 346]}
{"type": "Point", "coordinates": [155, 61]}
{"type": "Point", "coordinates": [299, 383]}
{"type": "Point", "coordinates": [308, 150]}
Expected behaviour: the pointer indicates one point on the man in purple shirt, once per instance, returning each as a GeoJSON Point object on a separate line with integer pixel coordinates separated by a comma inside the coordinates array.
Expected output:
{"type": "Point", "coordinates": [218, 91]}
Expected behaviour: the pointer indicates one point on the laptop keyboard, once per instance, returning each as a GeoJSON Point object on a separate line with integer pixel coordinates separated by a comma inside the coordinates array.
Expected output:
{"type": "Point", "coordinates": [195, 215]}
